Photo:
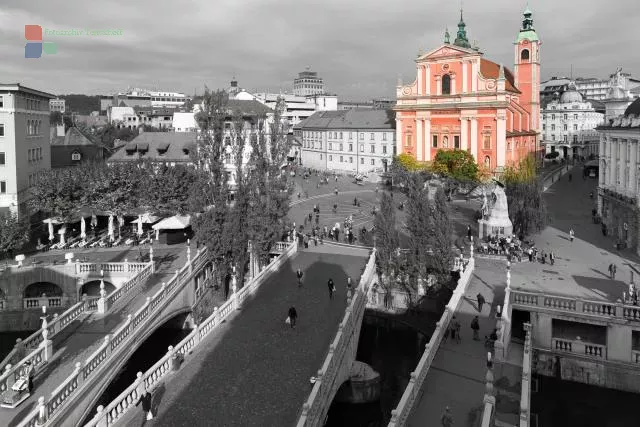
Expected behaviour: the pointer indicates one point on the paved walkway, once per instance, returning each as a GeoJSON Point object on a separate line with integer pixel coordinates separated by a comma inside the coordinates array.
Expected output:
{"type": "Point", "coordinates": [457, 375]}
{"type": "Point", "coordinates": [255, 369]}
{"type": "Point", "coordinates": [90, 335]}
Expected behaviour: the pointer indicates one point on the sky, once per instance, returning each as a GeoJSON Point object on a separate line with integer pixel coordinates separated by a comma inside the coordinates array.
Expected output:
{"type": "Point", "coordinates": [359, 47]}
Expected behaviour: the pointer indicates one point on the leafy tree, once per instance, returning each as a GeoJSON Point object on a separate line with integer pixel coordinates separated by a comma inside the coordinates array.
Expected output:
{"type": "Point", "coordinates": [55, 118]}
{"type": "Point", "coordinates": [418, 227]}
{"type": "Point", "coordinates": [524, 190]}
{"type": "Point", "coordinates": [60, 192]}
{"type": "Point", "coordinates": [458, 167]}
{"type": "Point", "coordinates": [387, 238]}
{"type": "Point", "coordinates": [82, 104]}
{"type": "Point", "coordinates": [441, 238]}
{"type": "Point", "coordinates": [169, 189]}
{"type": "Point", "coordinates": [14, 233]}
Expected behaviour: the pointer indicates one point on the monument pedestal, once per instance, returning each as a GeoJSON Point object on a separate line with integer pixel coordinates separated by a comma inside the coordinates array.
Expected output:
{"type": "Point", "coordinates": [497, 223]}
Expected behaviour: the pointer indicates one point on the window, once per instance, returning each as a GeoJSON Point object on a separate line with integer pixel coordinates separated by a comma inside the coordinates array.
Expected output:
{"type": "Point", "coordinates": [351, 147]}
{"type": "Point", "coordinates": [3, 159]}
{"type": "Point", "coordinates": [575, 127]}
{"type": "Point", "coordinates": [564, 138]}
{"type": "Point", "coordinates": [320, 156]}
{"type": "Point", "coordinates": [434, 141]}
{"type": "Point", "coordinates": [575, 139]}
{"type": "Point", "coordinates": [384, 149]}
{"type": "Point", "coordinates": [446, 84]}
{"type": "Point", "coordinates": [330, 146]}
{"type": "Point", "coordinates": [384, 136]}
{"type": "Point", "coordinates": [575, 117]}
{"type": "Point", "coordinates": [553, 117]}
{"type": "Point", "coordinates": [565, 116]}
{"type": "Point", "coordinates": [341, 147]}
{"type": "Point", "coordinates": [350, 135]}
{"type": "Point", "coordinates": [456, 141]}
{"type": "Point", "coordinates": [1, 101]}
{"type": "Point", "coordinates": [362, 160]}
{"type": "Point", "coordinates": [340, 135]}
{"type": "Point", "coordinates": [350, 159]}
{"type": "Point", "coordinates": [524, 55]}
{"type": "Point", "coordinates": [362, 147]}
{"type": "Point", "coordinates": [544, 127]}
{"type": "Point", "coordinates": [330, 158]}
{"type": "Point", "coordinates": [341, 159]}
{"type": "Point", "coordinates": [487, 162]}
{"type": "Point", "coordinates": [553, 127]}
{"type": "Point", "coordinates": [3, 187]}
{"type": "Point", "coordinates": [361, 135]}
{"type": "Point", "coordinates": [553, 137]}
{"type": "Point", "coordinates": [486, 142]}
{"type": "Point", "coordinates": [1, 130]}
{"type": "Point", "coordinates": [565, 127]}
{"type": "Point", "coordinates": [373, 137]}
{"type": "Point", "coordinates": [445, 142]}
{"type": "Point", "coordinates": [373, 162]}
{"type": "Point", "coordinates": [373, 148]}
{"type": "Point", "coordinates": [76, 156]}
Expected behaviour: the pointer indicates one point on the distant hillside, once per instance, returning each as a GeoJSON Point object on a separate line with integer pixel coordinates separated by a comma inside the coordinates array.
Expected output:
{"type": "Point", "coordinates": [82, 104]}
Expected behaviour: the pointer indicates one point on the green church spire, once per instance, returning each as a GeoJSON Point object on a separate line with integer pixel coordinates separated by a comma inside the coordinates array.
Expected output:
{"type": "Point", "coordinates": [461, 37]}
{"type": "Point", "coordinates": [527, 32]}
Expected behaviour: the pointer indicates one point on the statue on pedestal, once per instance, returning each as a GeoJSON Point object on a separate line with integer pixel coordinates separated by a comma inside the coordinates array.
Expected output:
{"type": "Point", "coordinates": [485, 205]}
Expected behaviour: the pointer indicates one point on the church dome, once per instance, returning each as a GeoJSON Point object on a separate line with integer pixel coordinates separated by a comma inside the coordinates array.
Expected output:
{"type": "Point", "coordinates": [571, 96]}
{"type": "Point", "coordinates": [633, 108]}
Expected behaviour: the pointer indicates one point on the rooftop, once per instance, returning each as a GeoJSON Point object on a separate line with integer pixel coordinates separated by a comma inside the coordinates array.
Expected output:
{"type": "Point", "coordinates": [350, 119]}
{"type": "Point", "coordinates": [158, 146]}
{"type": "Point", "coordinates": [73, 137]}
{"type": "Point", "coordinates": [17, 87]}
{"type": "Point", "coordinates": [491, 70]}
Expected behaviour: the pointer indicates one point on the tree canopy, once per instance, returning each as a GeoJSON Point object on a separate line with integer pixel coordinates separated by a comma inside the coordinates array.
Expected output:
{"type": "Point", "coordinates": [14, 233]}
{"type": "Point", "coordinates": [524, 190]}
{"type": "Point", "coordinates": [456, 164]}
{"type": "Point", "coordinates": [387, 238]}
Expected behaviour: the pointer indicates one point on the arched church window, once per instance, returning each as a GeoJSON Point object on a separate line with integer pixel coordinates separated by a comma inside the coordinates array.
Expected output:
{"type": "Point", "coordinates": [524, 55]}
{"type": "Point", "coordinates": [487, 162]}
{"type": "Point", "coordinates": [446, 84]}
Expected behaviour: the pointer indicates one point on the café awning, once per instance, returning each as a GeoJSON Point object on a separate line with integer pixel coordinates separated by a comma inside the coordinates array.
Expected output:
{"type": "Point", "coordinates": [176, 222]}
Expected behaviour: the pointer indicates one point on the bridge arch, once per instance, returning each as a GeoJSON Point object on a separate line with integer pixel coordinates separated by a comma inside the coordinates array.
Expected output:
{"type": "Point", "coordinates": [126, 356]}
{"type": "Point", "coordinates": [92, 288]}
{"type": "Point", "coordinates": [37, 289]}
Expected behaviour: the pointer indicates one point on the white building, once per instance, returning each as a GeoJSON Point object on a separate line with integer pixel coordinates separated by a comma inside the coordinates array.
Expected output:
{"type": "Point", "coordinates": [57, 104]}
{"type": "Point", "coordinates": [24, 143]}
{"type": "Point", "coordinates": [184, 122]}
{"type": "Point", "coordinates": [619, 176]}
{"type": "Point", "coordinates": [357, 141]}
{"type": "Point", "coordinates": [143, 98]}
{"type": "Point", "coordinates": [308, 83]}
{"type": "Point", "coordinates": [568, 125]}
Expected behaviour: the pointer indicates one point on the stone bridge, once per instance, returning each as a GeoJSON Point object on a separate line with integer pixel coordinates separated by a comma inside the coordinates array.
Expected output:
{"type": "Point", "coordinates": [74, 396]}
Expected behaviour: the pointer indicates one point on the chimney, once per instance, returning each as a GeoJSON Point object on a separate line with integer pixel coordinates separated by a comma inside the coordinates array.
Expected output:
{"type": "Point", "coordinates": [60, 130]}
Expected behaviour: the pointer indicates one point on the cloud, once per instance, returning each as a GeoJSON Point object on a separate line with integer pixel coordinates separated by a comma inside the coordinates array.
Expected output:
{"type": "Point", "coordinates": [359, 47]}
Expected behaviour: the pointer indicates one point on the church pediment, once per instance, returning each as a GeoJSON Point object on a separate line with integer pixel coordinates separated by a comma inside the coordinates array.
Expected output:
{"type": "Point", "coordinates": [447, 51]}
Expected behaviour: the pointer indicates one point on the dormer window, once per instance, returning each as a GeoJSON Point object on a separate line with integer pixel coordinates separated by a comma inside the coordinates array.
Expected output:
{"type": "Point", "coordinates": [446, 84]}
{"type": "Point", "coordinates": [76, 156]}
{"type": "Point", "coordinates": [130, 149]}
{"type": "Point", "coordinates": [143, 147]}
{"type": "Point", "coordinates": [162, 148]}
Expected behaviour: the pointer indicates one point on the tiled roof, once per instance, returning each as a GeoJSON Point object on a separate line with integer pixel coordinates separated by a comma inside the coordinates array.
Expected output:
{"type": "Point", "coordinates": [350, 119]}
{"type": "Point", "coordinates": [73, 137]}
{"type": "Point", "coordinates": [491, 70]}
{"type": "Point", "coordinates": [249, 106]}
{"type": "Point", "coordinates": [148, 144]}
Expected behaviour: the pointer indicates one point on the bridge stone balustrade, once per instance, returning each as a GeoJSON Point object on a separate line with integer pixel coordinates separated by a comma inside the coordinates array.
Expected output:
{"type": "Point", "coordinates": [400, 415]}
{"type": "Point", "coordinates": [109, 415]}
{"type": "Point", "coordinates": [336, 368]}
{"type": "Point", "coordinates": [74, 398]}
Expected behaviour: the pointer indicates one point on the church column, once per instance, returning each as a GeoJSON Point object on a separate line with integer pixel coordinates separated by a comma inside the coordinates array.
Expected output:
{"type": "Point", "coordinates": [419, 139]}
{"type": "Point", "coordinates": [501, 139]}
{"type": "Point", "coordinates": [464, 144]}
{"type": "Point", "coordinates": [474, 76]}
{"type": "Point", "coordinates": [427, 139]}
{"type": "Point", "coordinates": [420, 69]}
{"type": "Point", "coordinates": [623, 166]}
{"type": "Point", "coordinates": [454, 90]}
{"type": "Point", "coordinates": [438, 86]}
{"type": "Point", "coordinates": [427, 80]}
{"type": "Point", "coordinates": [474, 138]}
{"type": "Point", "coordinates": [465, 77]}
{"type": "Point", "coordinates": [632, 168]}
{"type": "Point", "coordinates": [398, 137]}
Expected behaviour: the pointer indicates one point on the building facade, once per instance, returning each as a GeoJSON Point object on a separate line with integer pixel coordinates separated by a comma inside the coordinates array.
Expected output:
{"type": "Point", "coordinates": [352, 141]}
{"type": "Point", "coordinates": [57, 104]}
{"type": "Point", "coordinates": [24, 143]}
{"type": "Point", "coordinates": [461, 100]}
{"type": "Point", "coordinates": [73, 148]}
{"type": "Point", "coordinates": [619, 176]}
{"type": "Point", "coordinates": [568, 126]}
{"type": "Point", "coordinates": [308, 83]}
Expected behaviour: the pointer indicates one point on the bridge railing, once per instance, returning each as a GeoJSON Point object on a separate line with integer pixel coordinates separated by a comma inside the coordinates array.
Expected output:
{"type": "Point", "coordinates": [109, 415]}
{"type": "Point", "coordinates": [113, 343]}
{"type": "Point", "coordinates": [402, 412]}
{"type": "Point", "coordinates": [109, 267]}
{"type": "Point", "coordinates": [144, 271]}
{"type": "Point", "coordinates": [316, 406]}
{"type": "Point", "coordinates": [31, 346]}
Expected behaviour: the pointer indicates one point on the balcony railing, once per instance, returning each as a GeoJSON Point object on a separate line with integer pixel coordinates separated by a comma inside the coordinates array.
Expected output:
{"type": "Point", "coordinates": [580, 347]}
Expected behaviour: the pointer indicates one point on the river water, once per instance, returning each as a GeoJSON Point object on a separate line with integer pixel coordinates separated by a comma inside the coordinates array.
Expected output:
{"type": "Point", "coordinates": [8, 341]}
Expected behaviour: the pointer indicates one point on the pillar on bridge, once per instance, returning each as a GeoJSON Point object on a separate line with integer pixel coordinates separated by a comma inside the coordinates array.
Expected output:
{"type": "Point", "coordinates": [46, 343]}
{"type": "Point", "coordinates": [102, 302]}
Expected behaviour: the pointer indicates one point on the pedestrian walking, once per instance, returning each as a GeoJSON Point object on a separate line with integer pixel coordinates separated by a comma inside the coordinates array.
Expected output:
{"type": "Point", "coordinates": [292, 317]}
{"type": "Point", "coordinates": [457, 326]}
{"type": "Point", "coordinates": [614, 270]}
{"type": "Point", "coordinates": [571, 234]}
{"type": "Point", "coordinates": [611, 271]}
{"type": "Point", "coordinates": [332, 288]}
{"type": "Point", "coordinates": [299, 275]}
{"type": "Point", "coordinates": [348, 287]}
{"type": "Point", "coordinates": [447, 418]}
{"type": "Point", "coordinates": [145, 399]}
{"type": "Point", "coordinates": [469, 232]}
{"type": "Point", "coordinates": [481, 301]}
{"type": "Point", "coordinates": [552, 258]}
{"type": "Point", "coordinates": [29, 372]}
{"type": "Point", "coordinates": [530, 253]}
{"type": "Point", "coordinates": [475, 326]}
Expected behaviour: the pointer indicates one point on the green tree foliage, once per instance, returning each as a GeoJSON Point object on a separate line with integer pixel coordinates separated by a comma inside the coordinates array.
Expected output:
{"type": "Point", "coordinates": [14, 233]}
{"type": "Point", "coordinates": [55, 118]}
{"type": "Point", "coordinates": [441, 238]}
{"type": "Point", "coordinates": [60, 192]}
{"type": "Point", "coordinates": [418, 227]}
{"type": "Point", "coordinates": [387, 238]}
{"type": "Point", "coordinates": [82, 104]}
{"type": "Point", "coordinates": [524, 190]}
{"type": "Point", "coordinates": [107, 135]}
{"type": "Point", "coordinates": [168, 190]}
{"type": "Point", "coordinates": [456, 164]}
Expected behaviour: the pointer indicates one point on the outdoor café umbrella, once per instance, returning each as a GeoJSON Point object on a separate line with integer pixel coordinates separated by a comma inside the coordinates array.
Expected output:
{"type": "Point", "coordinates": [50, 222]}
{"type": "Point", "coordinates": [94, 221]}
{"type": "Point", "coordinates": [120, 224]}
{"type": "Point", "coordinates": [139, 225]}
{"type": "Point", "coordinates": [83, 228]}
{"type": "Point", "coordinates": [110, 229]}
{"type": "Point", "coordinates": [62, 232]}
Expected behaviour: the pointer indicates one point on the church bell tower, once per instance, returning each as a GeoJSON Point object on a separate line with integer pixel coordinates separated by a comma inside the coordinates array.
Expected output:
{"type": "Point", "coordinates": [527, 68]}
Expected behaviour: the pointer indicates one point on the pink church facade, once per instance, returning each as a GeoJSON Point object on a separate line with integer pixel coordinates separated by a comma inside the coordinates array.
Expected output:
{"type": "Point", "coordinates": [462, 100]}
